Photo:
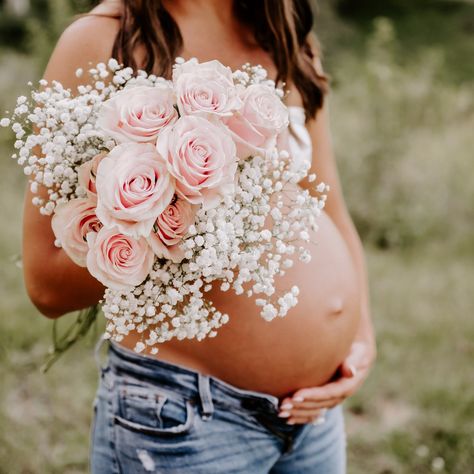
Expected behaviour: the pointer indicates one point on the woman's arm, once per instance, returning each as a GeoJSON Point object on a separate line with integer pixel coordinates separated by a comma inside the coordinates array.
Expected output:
{"type": "Point", "coordinates": [306, 404]}
{"type": "Point", "coordinates": [324, 166]}
{"type": "Point", "coordinates": [54, 283]}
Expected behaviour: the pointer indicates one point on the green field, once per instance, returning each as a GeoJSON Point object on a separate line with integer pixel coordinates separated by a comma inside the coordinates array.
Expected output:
{"type": "Point", "coordinates": [403, 116]}
{"type": "Point", "coordinates": [416, 409]}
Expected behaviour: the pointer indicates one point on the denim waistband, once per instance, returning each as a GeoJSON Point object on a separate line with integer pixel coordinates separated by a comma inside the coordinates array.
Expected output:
{"type": "Point", "coordinates": [190, 383]}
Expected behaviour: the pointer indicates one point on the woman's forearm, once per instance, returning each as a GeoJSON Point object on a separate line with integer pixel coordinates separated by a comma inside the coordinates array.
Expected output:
{"type": "Point", "coordinates": [61, 286]}
{"type": "Point", "coordinates": [350, 235]}
{"type": "Point", "coordinates": [55, 284]}
{"type": "Point", "coordinates": [324, 166]}
{"type": "Point", "coordinates": [366, 330]}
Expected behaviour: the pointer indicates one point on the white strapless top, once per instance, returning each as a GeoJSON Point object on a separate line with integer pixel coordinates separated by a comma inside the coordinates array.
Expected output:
{"type": "Point", "coordinates": [299, 140]}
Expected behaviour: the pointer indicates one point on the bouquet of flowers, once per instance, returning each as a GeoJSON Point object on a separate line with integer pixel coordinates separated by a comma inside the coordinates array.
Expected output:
{"type": "Point", "coordinates": [165, 188]}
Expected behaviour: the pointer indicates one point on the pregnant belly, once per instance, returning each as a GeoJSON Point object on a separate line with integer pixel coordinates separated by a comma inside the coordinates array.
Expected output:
{"type": "Point", "coordinates": [302, 349]}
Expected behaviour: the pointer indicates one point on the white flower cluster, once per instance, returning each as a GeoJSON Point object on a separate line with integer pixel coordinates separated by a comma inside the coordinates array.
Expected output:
{"type": "Point", "coordinates": [242, 244]}
{"type": "Point", "coordinates": [56, 130]}
{"type": "Point", "coordinates": [248, 75]}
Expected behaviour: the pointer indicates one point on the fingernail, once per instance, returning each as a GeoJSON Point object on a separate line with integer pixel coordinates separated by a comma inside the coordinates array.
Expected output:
{"type": "Point", "coordinates": [298, 398]}
{"type": "Point", "coordinates": [287, 406]}
{"type": "Point", "coordinates": [290, 422]}
{"type": "Point", "coordinates": [284, 414]}
{"type": "Point", "coordinates": [353, 370]}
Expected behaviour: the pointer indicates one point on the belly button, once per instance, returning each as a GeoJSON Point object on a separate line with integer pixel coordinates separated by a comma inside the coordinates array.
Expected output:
{"type": "Point", "coordinates": [336, 306]}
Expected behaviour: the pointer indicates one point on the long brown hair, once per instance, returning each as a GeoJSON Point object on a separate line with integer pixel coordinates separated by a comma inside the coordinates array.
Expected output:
{"type": "Point", "coordinates": [281, 28]}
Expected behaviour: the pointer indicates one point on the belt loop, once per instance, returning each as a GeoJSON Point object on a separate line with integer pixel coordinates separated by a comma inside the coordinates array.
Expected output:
{"type": "Point", "coordinates": [97, 349]}
{"type": "Point", "coordinates": [205, 395]}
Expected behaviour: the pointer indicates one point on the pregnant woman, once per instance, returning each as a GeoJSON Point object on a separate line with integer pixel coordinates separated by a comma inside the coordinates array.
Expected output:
{"type": "Point", "coordinates": [260, 397]}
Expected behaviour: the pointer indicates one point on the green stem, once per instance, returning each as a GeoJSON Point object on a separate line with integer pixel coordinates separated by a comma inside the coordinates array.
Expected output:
{"type": "Point", "coordinates": [76, 331]}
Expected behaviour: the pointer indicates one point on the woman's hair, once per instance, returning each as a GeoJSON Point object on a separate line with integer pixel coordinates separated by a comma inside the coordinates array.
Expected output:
{"type": "Point", "coordinates": [281, 28]}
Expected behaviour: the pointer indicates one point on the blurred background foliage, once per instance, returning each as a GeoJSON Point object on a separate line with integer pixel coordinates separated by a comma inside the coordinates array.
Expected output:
{"type": "Point", "coordinates": [402, 107]}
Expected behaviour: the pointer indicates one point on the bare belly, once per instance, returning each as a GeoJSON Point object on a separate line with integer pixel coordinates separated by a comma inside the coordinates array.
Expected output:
{"type": "Point", "coordinates": [302, 349]}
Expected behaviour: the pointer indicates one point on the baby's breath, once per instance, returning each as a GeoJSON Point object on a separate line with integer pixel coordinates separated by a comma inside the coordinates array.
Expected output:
{"type": "Point", "coordinates": [242, 245]}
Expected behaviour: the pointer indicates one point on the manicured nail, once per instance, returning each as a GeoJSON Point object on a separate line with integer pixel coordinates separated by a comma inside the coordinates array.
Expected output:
{"type": "Point", "coordinates": [287, 406]}
{"type": "Point", "coordinates": [298, 398]}
{"type": "Point", "coordinates": [290, 422]}
{"type": "Point", "coordinates": [284, 414]}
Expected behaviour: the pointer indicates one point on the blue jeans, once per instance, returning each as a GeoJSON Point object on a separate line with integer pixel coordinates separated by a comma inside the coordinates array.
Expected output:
{"type": "Point", "coordinates": [156, 417]}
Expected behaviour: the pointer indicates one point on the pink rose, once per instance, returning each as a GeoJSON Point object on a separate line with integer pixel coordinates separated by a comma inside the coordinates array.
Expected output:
{"type": "Point", "coordinates": [118, 261]}
{"type": "Point", "coordinates": [138, 113]}
{"type": "Point", "coordinates": [201, 156]}
{"type": "Point", "coordinates": [257, 124]}
{"type": "Point", "coordinates": [133, 188]}
{"type": "Point", "coordinates": [205, 88]}
{"type": "Point", "coordinates": [71, 223]}
{"type": "Point", "coordinates": [170, 228]}
{"type": "Point", "coordinates": [87, 174]}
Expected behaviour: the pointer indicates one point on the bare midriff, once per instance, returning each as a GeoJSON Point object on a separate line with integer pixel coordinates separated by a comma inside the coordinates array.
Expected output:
{"type": "Point", "coordinates": [302, 349]}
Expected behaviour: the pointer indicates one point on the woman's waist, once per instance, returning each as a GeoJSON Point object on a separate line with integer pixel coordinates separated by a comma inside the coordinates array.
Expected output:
{"type": "Point", "coordinates": [129, 369]}
{"type": "Point", "coordinates": [275, 357]}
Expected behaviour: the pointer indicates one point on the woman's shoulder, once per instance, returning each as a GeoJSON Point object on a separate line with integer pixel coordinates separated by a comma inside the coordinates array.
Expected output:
{"type": "Point", "coordinates": [110, 8]}
{"type": "Point", "coordinates": [84, 43]}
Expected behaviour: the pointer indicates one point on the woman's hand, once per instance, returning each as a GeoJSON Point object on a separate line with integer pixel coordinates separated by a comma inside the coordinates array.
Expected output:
{"type": "Point", "coordinates": [308, 405]}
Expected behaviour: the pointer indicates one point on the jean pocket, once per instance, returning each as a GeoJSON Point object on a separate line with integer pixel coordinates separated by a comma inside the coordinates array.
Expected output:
{"type": "Point", "coordinates": [151, 411]}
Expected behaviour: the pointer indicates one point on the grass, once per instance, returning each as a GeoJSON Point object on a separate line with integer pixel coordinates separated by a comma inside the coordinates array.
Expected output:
{"type": "Point", "coordinates": [419, 393]}
{"type": "Point", "coordinates": [402, 125]}
{"type": "Point", "coordinates": [417, 406]}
